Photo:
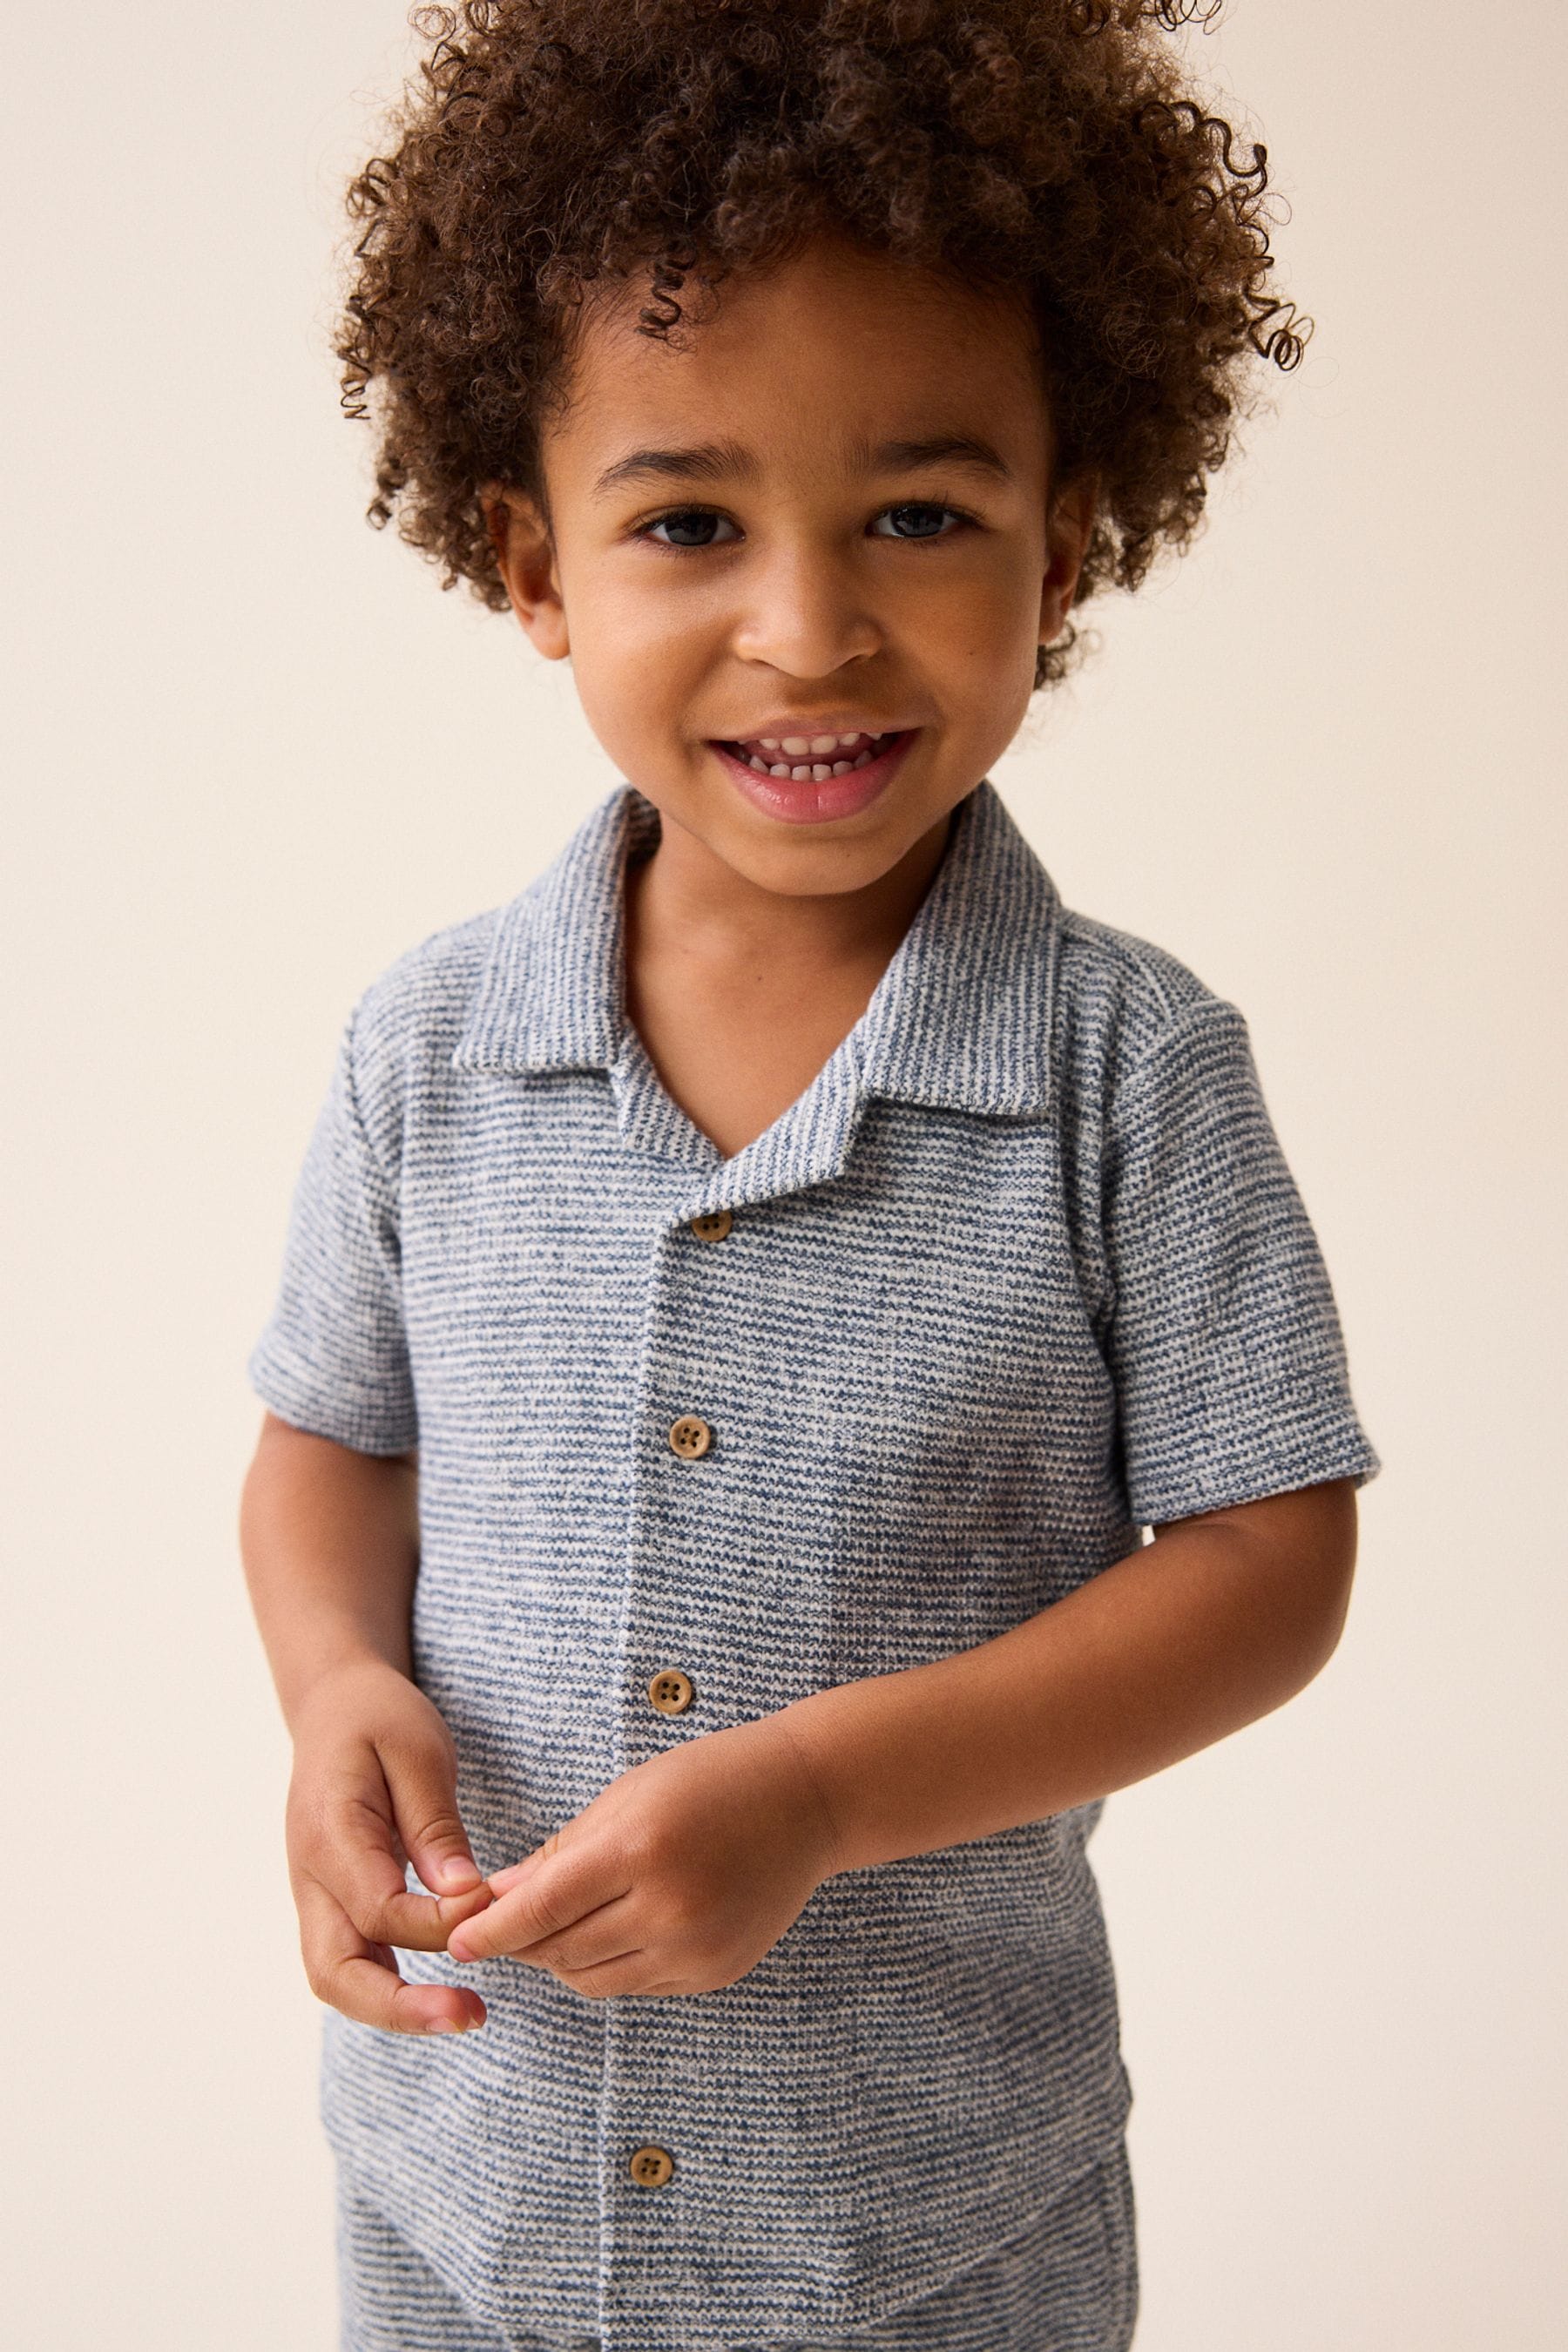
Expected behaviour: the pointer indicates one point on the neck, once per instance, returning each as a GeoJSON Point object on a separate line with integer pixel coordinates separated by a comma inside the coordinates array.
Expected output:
{"type": "Point", "coordinates": [686, 896]}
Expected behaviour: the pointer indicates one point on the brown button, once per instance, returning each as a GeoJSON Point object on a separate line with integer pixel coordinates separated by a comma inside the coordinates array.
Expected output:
{"type": "Point", "coordinates": [651, 2166]}
{"type": "Point", "coordinates": [690, 1437]}
{"type": "Point", "coordinates": [671, 1691]}
{"type": "Point", "coordinates": [713, 1226]}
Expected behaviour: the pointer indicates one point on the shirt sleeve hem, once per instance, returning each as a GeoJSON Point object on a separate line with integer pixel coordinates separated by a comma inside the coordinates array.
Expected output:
{"type": "Point", "coordinates": [361, 1423]}
{"type": "Point", "coordinates": [1226, 1490]}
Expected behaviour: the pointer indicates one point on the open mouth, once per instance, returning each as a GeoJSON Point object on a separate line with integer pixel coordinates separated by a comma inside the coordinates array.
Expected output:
{"type": "Point", "coordinates": [812, 759]}
{"type": "Point", "coordinates": [814, 779]}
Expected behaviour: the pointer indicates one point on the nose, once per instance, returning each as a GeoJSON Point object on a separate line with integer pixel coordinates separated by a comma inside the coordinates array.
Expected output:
{"type": "Point", "coordinates": [805, 613]}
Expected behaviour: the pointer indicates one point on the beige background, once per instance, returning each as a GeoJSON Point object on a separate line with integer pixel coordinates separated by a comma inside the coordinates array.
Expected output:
{"type": "Point", "coordinates": [256, 754]}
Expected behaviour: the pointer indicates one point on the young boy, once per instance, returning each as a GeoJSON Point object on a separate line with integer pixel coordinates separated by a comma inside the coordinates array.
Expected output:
{"type": "Point", "coordinates": [748, 1296]}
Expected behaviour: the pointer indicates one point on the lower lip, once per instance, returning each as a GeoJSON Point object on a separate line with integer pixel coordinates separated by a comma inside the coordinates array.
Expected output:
{"type": "Point", "coordinates": [805, 800]}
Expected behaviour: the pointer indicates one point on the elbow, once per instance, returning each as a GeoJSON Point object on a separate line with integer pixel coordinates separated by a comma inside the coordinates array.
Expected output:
{"type": "Point", "coordinates": [1298, 1552]}
{"type": "Point", "coordinates": [1326, 1636]}
{"type": "Point", "coordinates": [1328, 1576]}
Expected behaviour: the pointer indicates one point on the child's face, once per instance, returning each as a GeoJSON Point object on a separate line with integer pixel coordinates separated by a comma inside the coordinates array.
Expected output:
{"type": "Point", "coordinates": [826, 517]}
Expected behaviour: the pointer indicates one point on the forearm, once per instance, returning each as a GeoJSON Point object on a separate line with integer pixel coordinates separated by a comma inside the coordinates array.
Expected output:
{"type": "Point", "coordinates": [1216, 1623]}
{"type": "Point", "coordinates": [329, 1541]}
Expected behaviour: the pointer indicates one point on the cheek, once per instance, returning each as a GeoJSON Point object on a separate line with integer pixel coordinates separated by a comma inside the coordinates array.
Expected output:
{"type": "Point", "coordinates": [638, 652]}
{"type": "Point", "coordinates": [976, 620]}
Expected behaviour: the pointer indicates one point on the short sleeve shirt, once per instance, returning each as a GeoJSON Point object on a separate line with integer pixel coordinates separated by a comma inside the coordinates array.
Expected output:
{"type": "Point", "coordinates": [1022, 1273]}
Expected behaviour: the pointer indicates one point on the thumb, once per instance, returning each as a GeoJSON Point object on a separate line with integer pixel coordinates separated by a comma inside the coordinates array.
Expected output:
{"type": "Point", "coordinates": [422, 1782]}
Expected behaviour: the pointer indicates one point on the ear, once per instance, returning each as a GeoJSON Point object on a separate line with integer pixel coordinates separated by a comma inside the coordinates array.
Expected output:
{"type": "Point", "coordinates": [1068, 527]}
{"type": "Point", "coordinates": [526, 560]}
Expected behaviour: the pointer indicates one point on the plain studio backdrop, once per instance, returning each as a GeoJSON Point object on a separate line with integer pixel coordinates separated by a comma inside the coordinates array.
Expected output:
{"type": "Point", "coordinates": [255, 753]}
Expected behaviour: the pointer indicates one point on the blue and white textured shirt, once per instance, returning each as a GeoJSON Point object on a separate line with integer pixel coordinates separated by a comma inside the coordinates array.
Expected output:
{"type": "Point", "coordinates": [1022, 1273]}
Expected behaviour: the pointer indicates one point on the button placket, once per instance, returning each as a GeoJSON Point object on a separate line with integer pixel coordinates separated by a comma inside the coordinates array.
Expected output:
{"type": "Point", "coordinates": [673, 1521]}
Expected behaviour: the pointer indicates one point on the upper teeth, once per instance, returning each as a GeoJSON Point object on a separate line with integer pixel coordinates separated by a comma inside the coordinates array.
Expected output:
{"type": "Point", "coordinates": [820, 756]}
{"type": "Point", "coordinates": [821, 746]}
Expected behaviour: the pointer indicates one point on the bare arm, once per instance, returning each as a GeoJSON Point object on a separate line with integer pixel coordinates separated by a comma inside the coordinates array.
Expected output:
{"type": "Point", "coordinates": [1220, 1619]}
{"type": "Point", "coordinates": [329, 1540]}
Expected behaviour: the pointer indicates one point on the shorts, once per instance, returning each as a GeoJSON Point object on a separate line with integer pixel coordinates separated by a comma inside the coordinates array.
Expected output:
{"type": "Point", "coordinates": [1066, 2282]}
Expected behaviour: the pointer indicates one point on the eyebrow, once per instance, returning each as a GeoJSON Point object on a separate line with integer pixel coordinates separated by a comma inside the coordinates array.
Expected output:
{"type": "Point", "coordinates": [712, 461]}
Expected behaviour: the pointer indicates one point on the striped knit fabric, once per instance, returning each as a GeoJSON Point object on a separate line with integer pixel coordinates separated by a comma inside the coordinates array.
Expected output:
{"type": "Point", "coordinates": [1021, 1273]}
{"type": "Point", "coordinates": [1066, 2282]}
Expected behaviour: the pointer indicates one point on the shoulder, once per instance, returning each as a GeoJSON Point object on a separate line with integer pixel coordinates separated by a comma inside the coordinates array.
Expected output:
{"type": "Point", "coordinates": [404, 1025]}
{"type": "Point", "coordinates": [428, 988]}
{"type": "Point", "coordinates": [1124, 1008]}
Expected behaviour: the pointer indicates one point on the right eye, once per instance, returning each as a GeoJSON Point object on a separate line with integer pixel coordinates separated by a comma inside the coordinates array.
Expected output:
{"type": "Point", "coordinates": [686, 527]}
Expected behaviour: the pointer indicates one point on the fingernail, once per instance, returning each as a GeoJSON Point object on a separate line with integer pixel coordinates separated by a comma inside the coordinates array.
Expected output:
{"type": "Point", "coordinates": [444, 2025]}
{"type": "Point", "coordinates": [457, 1874]}
{"type": "Point", "coordinates": [457, 1951]}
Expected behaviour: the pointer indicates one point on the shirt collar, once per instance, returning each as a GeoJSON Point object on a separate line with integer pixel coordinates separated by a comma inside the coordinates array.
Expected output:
{"type": "Point", "coordinates": [959, 1020]}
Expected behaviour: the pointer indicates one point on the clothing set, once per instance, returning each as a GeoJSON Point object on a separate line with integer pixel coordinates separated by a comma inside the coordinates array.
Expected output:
{"type": "Point", "coordinates": [1020, 1275]}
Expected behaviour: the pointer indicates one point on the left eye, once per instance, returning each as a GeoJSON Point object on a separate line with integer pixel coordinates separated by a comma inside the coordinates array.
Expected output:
{"type": "Point", "coordinates": [915, 521]}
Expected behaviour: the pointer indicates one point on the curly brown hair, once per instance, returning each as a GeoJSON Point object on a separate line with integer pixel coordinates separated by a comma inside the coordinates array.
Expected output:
{"type": "Point", "coordinates": [548, 146]}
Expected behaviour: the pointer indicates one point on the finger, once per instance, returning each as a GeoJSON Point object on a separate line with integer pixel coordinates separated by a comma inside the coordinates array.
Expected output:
{"type": "Point", "coordinates": [557, 1894]}
{"type": "Point", "coordinates": [628, 1972]}
{"type": "Point", "coordinates": [358, 1864]}
{"type": "Point", "coordinates": [611, 1933]}
{"type": "Point", "coordinates": [358, 1977]}
{"type": "Point", "coordinates": [422, 1782]}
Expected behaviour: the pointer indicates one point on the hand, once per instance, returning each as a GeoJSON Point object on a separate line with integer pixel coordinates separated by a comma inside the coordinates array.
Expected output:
{"type": "Point", "coordinates": [374, 1786]}
{"type": "Point", "coordinates": [676, 1879]}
